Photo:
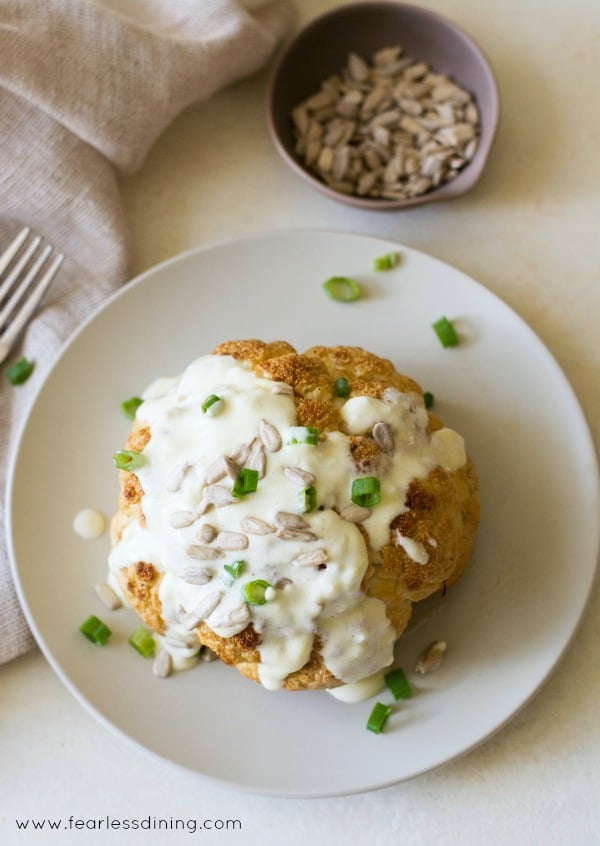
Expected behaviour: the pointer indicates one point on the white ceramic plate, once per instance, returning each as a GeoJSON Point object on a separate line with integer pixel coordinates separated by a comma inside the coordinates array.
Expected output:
{"type": "Point", "coordinates": [506, 623]}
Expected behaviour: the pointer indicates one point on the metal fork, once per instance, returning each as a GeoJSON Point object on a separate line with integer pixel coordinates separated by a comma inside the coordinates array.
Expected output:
{"type": "Point", "coordinates": [26, 272]}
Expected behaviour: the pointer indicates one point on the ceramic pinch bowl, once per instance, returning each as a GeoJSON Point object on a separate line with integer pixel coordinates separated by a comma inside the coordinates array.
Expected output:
{"type": "Point", "coordinates": [321, 49]}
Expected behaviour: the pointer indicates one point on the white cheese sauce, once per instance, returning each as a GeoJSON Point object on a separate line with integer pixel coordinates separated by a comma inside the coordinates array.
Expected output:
{"type": "Point", "coordinates": [304, 600]}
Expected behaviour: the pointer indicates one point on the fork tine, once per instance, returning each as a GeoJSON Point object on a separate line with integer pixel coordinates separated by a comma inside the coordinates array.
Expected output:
{"type": "Point", "coordinates": [20, 264]}
{"type": "Point", "coordinates": [21, 318]}
{"type": "Point", "coordinates": [21, 290]}
{"type": "Point", "coordinates": [12, 249]}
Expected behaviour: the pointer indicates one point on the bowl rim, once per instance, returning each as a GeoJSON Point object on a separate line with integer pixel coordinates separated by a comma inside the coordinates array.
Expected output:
{"type": "Point", "coordinates": [446, 191]}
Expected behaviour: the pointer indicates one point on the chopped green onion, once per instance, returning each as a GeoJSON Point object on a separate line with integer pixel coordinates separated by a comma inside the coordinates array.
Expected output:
{"type": "Point", "coordinates": [20, 371]}
{"type": "Point", "coordinates": [386, 262]}
{"type": "Point", "coordinates": [255, 592]}
{"type": "Point", "coordinates": [303, 435]}
{"type": "Point", "coordinates": [342, 289]}
{"type": "Point", "coordinates": [378, 717]}
{"type": "Point", "coordinates": [308, 498]}
{"type": "Point", "coordinates": [143, 641]}
{"type": "Point", "coordinates": [126, 459]}
{"type": "Point", "coordinates": [212, 405]}
{"type": "Point", "coordinates": [428, 399]}
{"type": "Point", "coordinates": [246, 482]}
{"type": "Point", "coordinates": [95, 630]}
{"type": "Point", "coordinates": [398, 684]}
{"type": "Point", "coordinates": [130, 406]}
{"type": "Point", "coordinates": [342, 387]}
{"type": "Point", "coordinates": [235, 569]}
{"type": "Point", "coordinates": [366, 491]}
{"type": "Point", "coordinates": [445, 332]}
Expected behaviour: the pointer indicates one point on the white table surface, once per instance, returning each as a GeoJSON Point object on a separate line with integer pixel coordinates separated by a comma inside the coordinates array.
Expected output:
{"type": "Point", "coordinates": [529, 232]}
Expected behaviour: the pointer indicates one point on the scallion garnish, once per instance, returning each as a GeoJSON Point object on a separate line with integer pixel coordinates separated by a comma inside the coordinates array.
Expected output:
{"type": "Point", "coordinates": [398, 684]}
{"type": "Point", "coordinates": [143, 641]}
{"type": "Point", "coordinates": [212, 405]}
{"type": "Point", "coordinates": [245, 483]}
{"type": "Point", "coordinates": [342, 289]}
{"type": "Point", "coordinates": [95, 630]}
{"type": "Point", "coordinates": [255, 592]}
{"type": "Point", "coordinates": [342, 387]}
{"type": "Point", "coordinates": [235, 570]}
{"type": "Point", "coordinates": [303, 435]}
{"type": "Point", "coordinates": [20, 371]}
{"type": "Point", "coordinates": [378, 717]}
{"type": "Point", "coordinates": [428, 399]}
{"type": "Point", "coordinates": [131, 405]}
{"type": "Point", "coordinates": [445, 332]}
{"type": "Point", "coordinates": [127, 459]}
{"type": "Point", "coordinates": [366, 491]}
{"type": "Point", "coordinates": [308, 498]}
{"type": "Point", "coordinates": [386, 262]}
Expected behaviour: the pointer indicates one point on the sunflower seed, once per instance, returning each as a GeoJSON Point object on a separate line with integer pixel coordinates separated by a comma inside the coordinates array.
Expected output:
{"type": "Point", "coordinates": [232, 540]}
{"type": "Point", "coordinates": [296, 534]}
{"type": "Point", "coordinates": [239, 457]}
{"type": "Point", "coordinates": [254, 526]}
{"type": "Point", "coordinates": [282, 388]}
{"type": "Point", "coordinates": [269, 436]}
{"type": "Point", "coordinates": [206, 533]}
{"type": "Point", "coordinates": [257, 460]}
{"type": "Point", "coordinates": [287, 520]}
{"type": "Point", "coordinates": [218, 495]}
{"type": "Point", "coordinates": [236, 617]}
{"type": "Point", "coordinates": [163, 664]}
{"type": "Point", "coordinates": [355, 513]}
{"type": "Point", "coordinates": [215, 471]}
{"type": "Point", "coordinates": [107, 596]}
{"type": "Point", "coordinates": [298, 476]}
{"type": "Point", "coordinates": [431, 658]}
{"type": "Point", "coordinates": [208, 603]}
{"type": "Point", "coordinates": [384, 437]}
{"type": "Point", "coordinates": [197, 575]}
{"type": "Point", "coordinates": [207, 655]}
{"type": "Point", "coordinates": [175, 478]}
{"type": "Point", "coordinates": [181, 519]}
{"type": "Point", "coordinates": [203, 553]}
{"type": "Point", "coordinates": [315, 558]}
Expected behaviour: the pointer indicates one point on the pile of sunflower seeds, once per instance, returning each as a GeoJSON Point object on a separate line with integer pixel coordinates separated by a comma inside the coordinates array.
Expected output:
{"type": "Point", "coordinates": [390, 128]}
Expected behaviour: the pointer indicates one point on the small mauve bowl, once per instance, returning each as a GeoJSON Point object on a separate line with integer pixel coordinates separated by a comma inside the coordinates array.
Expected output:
{"type": "Point", "coordinates": [321, 49]}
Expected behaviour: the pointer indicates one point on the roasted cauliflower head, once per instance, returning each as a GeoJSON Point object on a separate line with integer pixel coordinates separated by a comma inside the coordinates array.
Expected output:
{"type": "Point", "coordinates": [287, 509]}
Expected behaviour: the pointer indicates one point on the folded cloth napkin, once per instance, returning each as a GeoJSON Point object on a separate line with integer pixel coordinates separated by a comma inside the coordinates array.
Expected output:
{"type": "Point", "coordinates": [86, 87]}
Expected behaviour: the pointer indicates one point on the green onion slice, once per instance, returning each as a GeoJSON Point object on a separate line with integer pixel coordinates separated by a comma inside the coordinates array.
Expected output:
{"type": "Point", "coordinates": [366, 491]}
{"type": "Point", "coordinates": [246, 482]}
{"type": "Point", "coordinates": [428, 399]}
{"type": "Point", "coordinates": [303, 435]}
{"type": "Point", "coordinates": [378, 717]}
{"type": "Point", "coordinates": [398, 684]}
{"type": "Point", "coordinates": [95, 630]}
{"type": "Point", "coordinates": [386, 262]}
{"type": "Point", "coordinates": [212, 405]}
{"type": "Point", "coordinates": [143, 641]}
{"type": "Point", "coordinates": [308, 499]}
{"type": "Point", "coordinates": [126, 459]}
{"type": "Point", "coordinates": [342, 387]}
{"type": "Point", "coordinates": [20, 371]}
{"type": "Point", "coordinates": [445, 332]}
{"type": "Point", "coordinates": [131, 405]}
{"type": "Point", "coordinates": [342, 289]}
{"type": "Point", "coordinates": [235, 570]}
{"type": "Point", "coordinates": [255, 592]}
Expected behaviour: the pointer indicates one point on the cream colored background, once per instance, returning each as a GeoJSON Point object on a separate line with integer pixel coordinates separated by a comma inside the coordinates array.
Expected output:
{"type": "Point", "coordinates": [529, 232]}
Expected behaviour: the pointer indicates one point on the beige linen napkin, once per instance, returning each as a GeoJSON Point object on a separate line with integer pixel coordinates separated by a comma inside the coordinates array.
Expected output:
{"type": "Point", "coordinates": [86, 86]}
